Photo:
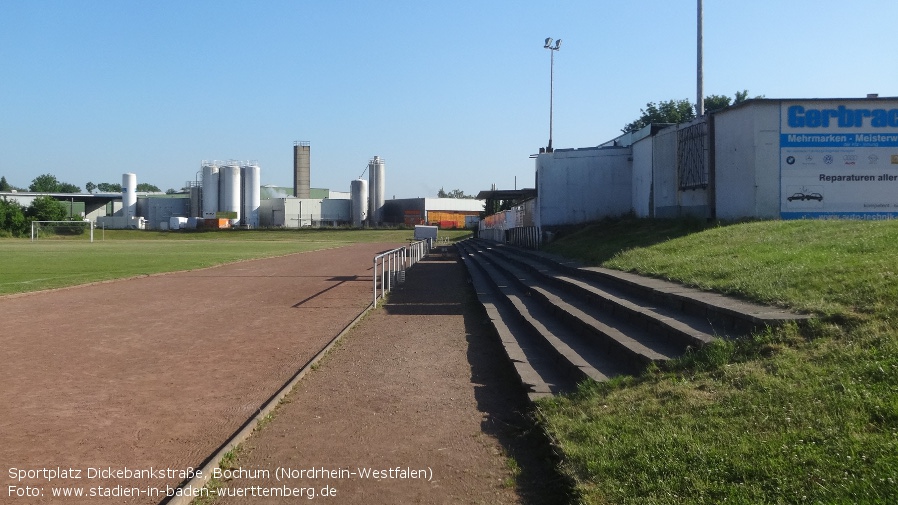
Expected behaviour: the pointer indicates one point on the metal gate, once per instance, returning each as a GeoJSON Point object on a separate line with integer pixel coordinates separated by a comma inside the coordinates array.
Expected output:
{"type": "Point", "coordinates": [692, 170]}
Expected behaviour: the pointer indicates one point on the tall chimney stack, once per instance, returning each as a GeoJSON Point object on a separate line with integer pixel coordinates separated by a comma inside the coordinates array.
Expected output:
{"type": "Point", "coordinates": [302, 172]}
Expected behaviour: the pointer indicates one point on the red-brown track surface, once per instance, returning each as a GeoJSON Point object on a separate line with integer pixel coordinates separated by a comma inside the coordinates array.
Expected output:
{"type": "Point", "coordinates": [157, 372]}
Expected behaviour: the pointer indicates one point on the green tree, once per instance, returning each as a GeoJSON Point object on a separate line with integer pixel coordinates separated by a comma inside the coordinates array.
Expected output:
{"type": "Point", "coordinates": [671, 111]}
{"type": "Point", "coordinates": [455, 193]}
{"type": "Point", "coordinates": [4, 186]}
{"type": "Point", "coordinates": [90, 187]}
{"type": "Point", "coordinates": [65, 187]}
{"type": "Point", "coordinates": [106, 187]}
{"type": "Point", "coordinates": [680, 111]}
{"type": "Point", "coordinates": [12, 218]}
{"type": "Point", "coordinates": [148, 188]}
{"type": "Point", "coordinates": [742, 96]}
{"type": "Point", "coordinates": [717, 102]}
{"type": "Point", "coordinates": [46, 183]}
{"type": "Point", "coordinates": [46, 208]}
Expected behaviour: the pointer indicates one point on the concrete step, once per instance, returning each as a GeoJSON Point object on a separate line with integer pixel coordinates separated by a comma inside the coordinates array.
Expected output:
{"type": "Point", "coordinates": [539, 375]}
{"type": "Point", "coordinates": [728, 315]}
{"type": "Point", "coordinates": [561, 322]}
{"type": "Point", "coordinates": [570, 355]}
{"type": "Point", "coordinates": [637, 344]}
{"type": "Point", "coordinates": [681, 329]}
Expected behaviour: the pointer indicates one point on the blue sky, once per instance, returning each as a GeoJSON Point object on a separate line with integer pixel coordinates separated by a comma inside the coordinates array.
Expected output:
{"type": "Point", "coordinates": [450, 94]}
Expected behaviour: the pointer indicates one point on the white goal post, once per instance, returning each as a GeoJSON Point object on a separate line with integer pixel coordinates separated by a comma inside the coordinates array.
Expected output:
{"type": "Point", "coordinates": [61, 228]}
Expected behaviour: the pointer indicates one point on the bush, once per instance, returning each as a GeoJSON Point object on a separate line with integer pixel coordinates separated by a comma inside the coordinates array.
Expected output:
{"type": "Point", "coordinates": [12, 218]}
{"type": "Point", "coordinates": [46, 208]}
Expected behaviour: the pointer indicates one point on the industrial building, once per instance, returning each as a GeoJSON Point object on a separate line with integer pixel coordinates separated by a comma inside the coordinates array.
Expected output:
{"type": "Point", "coordinates": [446, 213]}
{"type": "Point", "coordinates": [761, 159]}
{"type": "Point", "coordinates": [230, 195]}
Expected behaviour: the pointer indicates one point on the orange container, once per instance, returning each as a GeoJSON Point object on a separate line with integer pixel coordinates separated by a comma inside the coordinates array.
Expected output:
{"type": "Point", "coordinates": [216, 224]}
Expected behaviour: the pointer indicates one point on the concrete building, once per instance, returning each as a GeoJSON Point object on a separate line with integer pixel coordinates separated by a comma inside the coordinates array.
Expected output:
{"type": "Point", "coordinates": [762, 159]}
{"type": "Point", "coordinates": [442, 212]}
{"type": "Point", "coordinates": [304, 212]}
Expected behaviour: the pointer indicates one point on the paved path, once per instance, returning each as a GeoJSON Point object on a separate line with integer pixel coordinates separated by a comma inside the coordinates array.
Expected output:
{"type": "Point", "coordinates": [419, 385]}
{"type": "Point", "coordinates": [157, 372]}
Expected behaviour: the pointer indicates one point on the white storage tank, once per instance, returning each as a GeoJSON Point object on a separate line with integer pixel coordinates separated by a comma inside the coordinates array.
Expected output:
{"type": "Point", "coordinates": [129, 195]}
{"type": "Point", "coordinates": [210, 189]}
{"type": "Point", "coordinates": [252, 194]}
{"type": "Point", "coordinates": [229, 184]}
{"type": "Point", "coordinates": [376, 190]}
{"type": "Point", "coordinates": [358, 196]}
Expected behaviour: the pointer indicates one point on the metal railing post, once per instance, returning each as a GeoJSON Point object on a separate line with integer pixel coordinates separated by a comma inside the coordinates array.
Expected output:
{"type": "Point", "coordinates": [391, 262]}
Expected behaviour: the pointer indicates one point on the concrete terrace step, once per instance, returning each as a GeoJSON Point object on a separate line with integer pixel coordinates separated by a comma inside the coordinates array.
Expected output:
{"type": "Point", "coordinates": [571, 358]}
{"type": "Point", "coordinates": [669, 330]}
{"type": "Point", "coordinates": [561, 322]}
{"type": "Point", "coordinates": [537, 374]}
{"type": "Point", "coordinates": [627, 341]}
{"type": "Point", "coordinates": [727, 314]}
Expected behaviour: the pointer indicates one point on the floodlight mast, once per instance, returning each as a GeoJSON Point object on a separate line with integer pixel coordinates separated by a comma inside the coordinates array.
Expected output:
{"type": "Point", "coordinates": [548, 45]}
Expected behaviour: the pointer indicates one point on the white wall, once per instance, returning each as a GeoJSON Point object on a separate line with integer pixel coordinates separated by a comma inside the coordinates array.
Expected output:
{"type": "Point", "coordinates": [642, 177]}
{"type": "Point", "coordinates": [454, 204]}
{"type": "Point", "coordinates": [299, 212]}
{"type": "Point", "coordinates": [746, 147]}
{"type": "Point", "coordinates": [664, 173]}
{"type": "Point", "coordinates": [577, 186]}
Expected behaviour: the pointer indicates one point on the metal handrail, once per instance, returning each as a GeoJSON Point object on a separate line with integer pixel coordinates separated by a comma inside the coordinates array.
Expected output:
{"type": "Point", "coordinates": [391, 262]}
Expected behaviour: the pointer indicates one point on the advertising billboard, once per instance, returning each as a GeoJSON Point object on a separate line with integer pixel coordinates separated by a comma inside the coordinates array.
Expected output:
{"type": "Point", "coordinates": [839, 159]}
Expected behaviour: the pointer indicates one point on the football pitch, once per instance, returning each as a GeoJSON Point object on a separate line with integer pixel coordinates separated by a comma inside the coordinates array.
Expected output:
{"type": "Point", "coordinates": [56, 262]}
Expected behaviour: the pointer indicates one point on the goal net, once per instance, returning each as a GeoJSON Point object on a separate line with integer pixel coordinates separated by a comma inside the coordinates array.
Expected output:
{"type": "Point", "coordinates": [62, 229]}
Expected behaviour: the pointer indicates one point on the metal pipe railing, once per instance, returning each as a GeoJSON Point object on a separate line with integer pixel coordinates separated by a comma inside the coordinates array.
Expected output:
{"type": "Point", "coordinates": [388, 264]}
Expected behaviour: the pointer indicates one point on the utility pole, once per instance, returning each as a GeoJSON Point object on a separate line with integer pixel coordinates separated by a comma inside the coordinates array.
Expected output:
{"type": "Point", "coordinates": [700, 78]}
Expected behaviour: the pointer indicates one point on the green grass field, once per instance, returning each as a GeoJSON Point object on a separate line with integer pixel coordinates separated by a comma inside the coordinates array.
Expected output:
{"type": "Point", "coordinates": [60, 261]}
{"type": "Point", "coordinates": [797, 415]}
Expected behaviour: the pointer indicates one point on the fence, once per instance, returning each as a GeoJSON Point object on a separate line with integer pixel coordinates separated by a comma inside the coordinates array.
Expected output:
{"type": "Point", "coordinates": [516, 226]}
{"type": "Point", "coordinates": [390, 266]}
{"type": "Point", "coordinates": [527, 237]}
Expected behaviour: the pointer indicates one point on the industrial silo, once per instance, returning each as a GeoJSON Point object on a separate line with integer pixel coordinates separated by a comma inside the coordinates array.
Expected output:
{"type": "Point", "coordinates": [302, 169]}
{"type": "Point", "coordinates": [210, 189]}
{"type": "Point", "coordinates": [129, 195]}
{"type": "Point", "coordinates": [229, 184]}
{"type": "Point", "coordinates": [252, 194]}
{"type": "Point", "coordinates": [376, 190]}
{"type": "Point", "coordinates": [358, 195]}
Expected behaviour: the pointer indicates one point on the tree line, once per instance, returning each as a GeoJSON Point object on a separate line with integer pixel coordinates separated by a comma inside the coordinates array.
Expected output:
{"type": "Point", "coordinates": [48, 183]}
{"type": "Point", "coordinates": [681, 111]}
{"type": "Point", "coordinates": [15, 220]}
{"type": "Point", "coordinates": [455, 193]}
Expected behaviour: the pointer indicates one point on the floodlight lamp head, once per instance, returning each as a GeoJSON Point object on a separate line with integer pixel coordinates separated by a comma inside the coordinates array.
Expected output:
{"type": "Point", "coordinates": [558, 44]}
{"type": "Point", "coordinates": [548, 42]}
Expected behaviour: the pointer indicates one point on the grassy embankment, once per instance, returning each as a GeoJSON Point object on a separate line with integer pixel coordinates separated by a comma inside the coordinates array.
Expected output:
{"type": "Point", "coordinates": [796, 415]}
{"type": "Point", "coordinates": [60, 261]}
